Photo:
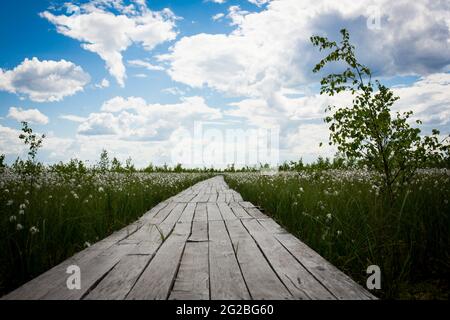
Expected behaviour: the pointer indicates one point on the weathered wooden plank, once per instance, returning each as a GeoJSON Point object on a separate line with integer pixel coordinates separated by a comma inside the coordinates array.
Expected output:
{"type": "Point", "coordinates": [213, 212]}
{"type": "Point", "coordinates": [204, 197]}
{"type": "Point", "coordinates": [201, 191]}
{"type": "Point", "coordinates": [173, 217]}
{"type": "Point", "coordinates": [91, 272]}
{"type": "Point", "coordinates": [172, 210]}
{"type": "Point", "coordinates": [226, 212]}
{"type": "Point", "coordinates": [239, 211]}
{"type": "Point", "coordinates": [229, 197]}
{"type": "Point", "coordinates": [221, 197]}
{"type": "Point", "coordinates": [153, 211]}
{"type": "Point", "coordinates": [188, 213]}
{"type": "Point", "coordinates": [44, 283]}
{"type": "Point", "coordinates": [156, 280]}
{"type": "Point", "coordinates": [163, 213]}
{"type": "Point", "coordinates": [125, 232]}
{"type": "Point", "coordinates": [213, 197]}
{"type": "Point", "coordinates": [200, 212]}
{"type": "Point", "coordinates": [187, 197]}
{"type": "Point", "coordinates": [226, 281]}
{"type": "Point", "coordinates": [261, 280]}
{"type": "Point", "coordinates": [338, 283]}
{"type": "Point", "coordinates": [245, 204]}
{"type": "Point", "coordinates": [54, 278]}
{"type": "Point", "coordinates": [192, 282]}
{"type": "Point", "coordinates": [272, 226]}
{"type": "Point", "coordinates": [150, 245]}
{"type": "Point", "coordinates": [300, 283]}
{"type": "Point", "coordinates": [252, 210]}
{"type": "Point", "coordinates": [139, 235]}
{"type": "Point", "coordinates": [152, 235]}
{"type": "Point", "coordinates": [119, 281]}
{"type": "Point", "coordinates": [199, 231]}
{"type": "Point", "coordinates": [237, 196]}
{"type": "Point", "coordinates": [196, 198]}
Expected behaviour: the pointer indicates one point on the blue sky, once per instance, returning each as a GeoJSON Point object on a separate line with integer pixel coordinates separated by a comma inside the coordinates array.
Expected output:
{"type": "Point", "coordinates": [134, 76]}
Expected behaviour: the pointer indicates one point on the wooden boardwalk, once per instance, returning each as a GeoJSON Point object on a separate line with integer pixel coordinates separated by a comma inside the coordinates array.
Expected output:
{"type": "Point", "coordinates": [203, 243]}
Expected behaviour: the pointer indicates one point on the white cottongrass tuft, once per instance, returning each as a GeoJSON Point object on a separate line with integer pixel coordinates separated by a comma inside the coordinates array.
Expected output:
{"type": "Point", "coordinates": [34, 230]}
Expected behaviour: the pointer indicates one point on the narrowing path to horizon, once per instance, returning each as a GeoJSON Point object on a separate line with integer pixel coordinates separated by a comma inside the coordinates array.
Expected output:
{"type": "Point", "coordinates": [203, 243]}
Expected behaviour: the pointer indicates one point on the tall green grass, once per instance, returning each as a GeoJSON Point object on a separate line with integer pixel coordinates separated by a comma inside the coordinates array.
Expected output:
{"type": "Point", "coordinates": [341, 215]}
{"type": "Point", "coordinates": [45, 219]}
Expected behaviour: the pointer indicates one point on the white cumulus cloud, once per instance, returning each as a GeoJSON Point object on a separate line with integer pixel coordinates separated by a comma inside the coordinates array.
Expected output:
{"type": "Point", "coordinates": [72, 117]}
{"type": "Point", "coordinates": [108, 28]}
{"type": "Point", "coordinates": [259, 3]}
{"type": "Point", "coordinates": [144, 64]}
{"type": "Point", "coordinates": [428, 98]}
{"type": "Point", "coordinates": [102, 84]}
{"type": "Point", "coordinates": [45, 80]}
{"type": "Point", "coordinates": [29, 115]}
{"type": "Point", "coordinates": [132, 118]}
{"type": "Point", "coordinates": [270, 49]}
{"type": "Point", "coordinates": [218, 16]}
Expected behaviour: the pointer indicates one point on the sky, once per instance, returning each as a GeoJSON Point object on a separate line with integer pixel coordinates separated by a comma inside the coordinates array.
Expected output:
{"type": "Point", "coordinates": [163, 80]}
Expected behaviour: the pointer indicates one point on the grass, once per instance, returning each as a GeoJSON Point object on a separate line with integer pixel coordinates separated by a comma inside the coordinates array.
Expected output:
{"type": "Point", "coordinates": [342, 216]}
{"type": "Point", "coordinates": [47, 218]}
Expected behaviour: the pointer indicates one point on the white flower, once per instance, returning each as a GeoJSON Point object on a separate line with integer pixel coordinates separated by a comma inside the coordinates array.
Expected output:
{"type": "Point", "coordinates": [34, 230]}
{"type": "Point", "coordinates": [301, 189]}
{"type": "Point", "coordinates": [21, 211]}
{"type": "Point", "coordinates": [22, 206]}
{"type": "Point", "coordinates": [339, 232]}
{"type": "Point", "coordinates": [10, 202]}
{"type": "Point", "coordinates": [328, 216]}
{"type": "Point", "coordinates": [87, 244]}
{"type": "Point", "coordinates": [19, 226]}
{"type": "Point", "coordinates": [100, 189]}
{"type": "Point", "coordinates": [27, 192]}
{"type": "Point", "coordinates": [12, 218]}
